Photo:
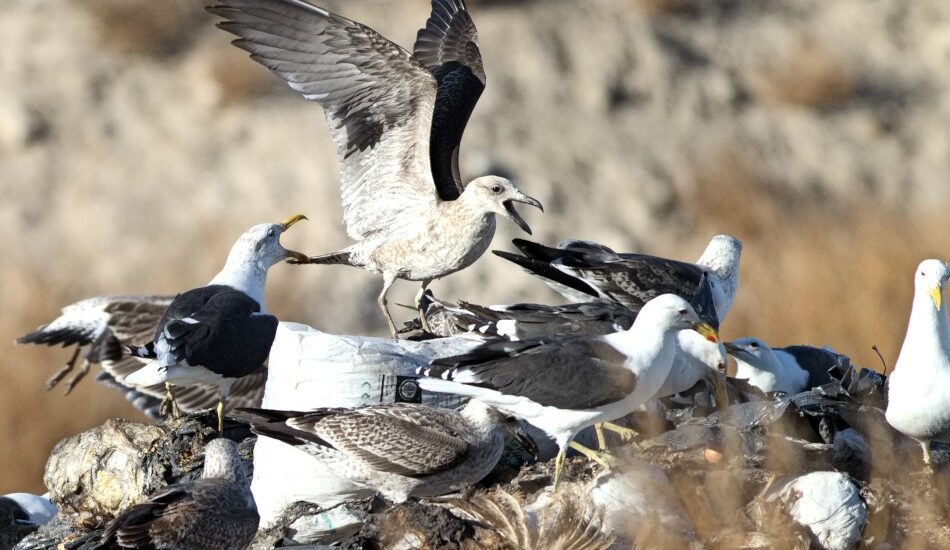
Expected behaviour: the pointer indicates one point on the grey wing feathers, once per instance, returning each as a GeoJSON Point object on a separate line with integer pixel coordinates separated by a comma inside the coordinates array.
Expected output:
{"type": "Point", "coordinates": [378, 100]}
{"type": "Point", "coordinates": [568, 373]}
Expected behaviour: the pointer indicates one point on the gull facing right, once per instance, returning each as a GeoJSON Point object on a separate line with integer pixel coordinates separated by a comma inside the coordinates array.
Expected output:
{"type": "Point", "coordinates": [919, 388]}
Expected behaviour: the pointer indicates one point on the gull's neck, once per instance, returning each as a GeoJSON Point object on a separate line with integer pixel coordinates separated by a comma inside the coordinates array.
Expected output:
{"type": "Point", "coordinates": [244, 275]}
{"type": "Point", "coordinates": [928, 334]}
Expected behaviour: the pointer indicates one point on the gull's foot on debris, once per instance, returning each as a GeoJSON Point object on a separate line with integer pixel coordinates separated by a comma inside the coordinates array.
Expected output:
{"type": "Point", "coordinates": [605, 458]}
{"type": "Point", "coordinates": [626, 434]}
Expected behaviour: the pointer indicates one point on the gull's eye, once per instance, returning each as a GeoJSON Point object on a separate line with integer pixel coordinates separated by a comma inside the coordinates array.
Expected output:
{"type": "Point", "coordinates": [754, 345]}
{"type": "Point", "coordinates": [270, 233]}
{"type": "Point", "coordinates": [496, 188]}
{"type": "Point", "coordinates": [682, 312]}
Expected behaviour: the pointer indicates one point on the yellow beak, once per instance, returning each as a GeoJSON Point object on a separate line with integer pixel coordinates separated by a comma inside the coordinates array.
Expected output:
{"type": "Point", "coordinates": [717, 380]}
{"type": "Point", "coordinates": [292, 220]}
{"type": "Point", "coordinates": [707, 331]}
{"type": "Point", "coordinates": [936, 296]}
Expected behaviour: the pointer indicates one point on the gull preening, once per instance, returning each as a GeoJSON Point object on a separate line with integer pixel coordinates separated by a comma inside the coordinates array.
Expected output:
{"type": "Point", "coordinates": [104, 326]}
{"type": "Point", "coordinates": [566, 384]}
{"type": "Point", "coordinates": [219, 333]}
{"type": "Point", "coordinates": [215, 512]}
{"type": "Point", "coordinates": [397, 120]}
{"type": "Point", "coordinates": [398, 449]}
{"type": "Point", "coordinates": [918, 395]}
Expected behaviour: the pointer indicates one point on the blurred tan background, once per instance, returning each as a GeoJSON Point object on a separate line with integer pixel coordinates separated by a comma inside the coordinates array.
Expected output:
{"type": "Point", "coordinates": [136, 144]}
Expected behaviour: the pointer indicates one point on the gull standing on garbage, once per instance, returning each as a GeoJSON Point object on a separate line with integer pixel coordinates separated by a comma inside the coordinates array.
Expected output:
{"type": "Point", "coordinates": [562, 385]}
{"type": "Point", "coordinates": [918, 395]}
{"type": "Point", "coordinates": [397, 120]}
{"type": "Point", "coordinates": [221, 332]}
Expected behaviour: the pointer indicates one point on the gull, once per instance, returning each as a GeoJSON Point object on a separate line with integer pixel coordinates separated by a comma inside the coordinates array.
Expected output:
{"type": "Point", "coordinates": [397, 120]}
{"type": "Point", "coordinates": [103, 326]}
{"type": "Point", "coordinates": [397, 449]}
{"type": "Point", "coordinates": [583, 270]}
{"type": "Point", "coordinates": [215, 512]}
{"type": "Point", "coordinates": [221, 332]}
{"type": "Point", "coordinates": [788, 370]}
{"type": "Point", "coordinates": [919, 388]}
{"type": "Point", "coordinates": [562, 385]}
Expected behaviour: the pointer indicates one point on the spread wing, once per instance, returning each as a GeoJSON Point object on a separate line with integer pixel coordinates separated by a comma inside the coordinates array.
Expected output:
{"type": "Point", "coordinates": [378, 101]}
{"type": "Point", "coordinates": [402, 438]}
{"type": "Point", "coordinates": [448, 46]}
{"type": "Point", "coordinates": [568, 373]}
{"type": "Point", "coordinates": [630, 280]}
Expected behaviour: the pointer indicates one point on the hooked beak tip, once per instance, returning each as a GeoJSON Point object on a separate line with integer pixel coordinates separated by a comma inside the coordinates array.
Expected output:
{"type": "Point", "coordinates": [707, 331]}
{"type": "Point", "coordinates": [286, 224]}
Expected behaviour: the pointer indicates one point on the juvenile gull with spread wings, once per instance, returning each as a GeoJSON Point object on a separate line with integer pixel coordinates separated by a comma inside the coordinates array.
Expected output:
{"type": "Point", "coordinates": [397, 119]}
{"type": "Point", "coordinates": [919, 388]}
{"type": "Point", "coordinates": [216, 512]}
{"type": "Point", "coordinates": [104, 325]}
{"type": "Point", "coordinates": [221, 332]}
{"type": "Point", "coordinates": [562, 385]}
{"type": "Point", "coordinates": [397, 449]}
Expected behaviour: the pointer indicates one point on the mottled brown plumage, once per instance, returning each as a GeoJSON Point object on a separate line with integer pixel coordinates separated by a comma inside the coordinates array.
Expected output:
{"type": "Point", "coordinates": [216, 512]}
{"type": "Point", "coordinates": [398, 449]}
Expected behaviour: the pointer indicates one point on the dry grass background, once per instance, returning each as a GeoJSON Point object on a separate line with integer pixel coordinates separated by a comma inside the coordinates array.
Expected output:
{"type": "Point", "coordinates": [138, 144]}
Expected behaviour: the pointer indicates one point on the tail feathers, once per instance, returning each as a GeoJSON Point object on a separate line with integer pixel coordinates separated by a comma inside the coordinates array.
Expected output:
{"type": "Point", "coordinates": [145, 352]}
{"type": "Point", "coordinates": [341, 257]}
{"type": "Point", "coordinates": [447, 386]}
{"type": "Point", "coordinates": [274, 424]}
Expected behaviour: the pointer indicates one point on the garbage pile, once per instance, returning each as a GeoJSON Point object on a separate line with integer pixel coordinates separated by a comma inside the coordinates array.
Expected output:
{"type": "Point", "coordinates": [819, 469]}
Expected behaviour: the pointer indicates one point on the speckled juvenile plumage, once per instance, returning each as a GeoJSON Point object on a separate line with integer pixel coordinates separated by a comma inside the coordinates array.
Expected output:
{"type": "Point", "coordinates": [398, 449]}
{"type": "Point", "coordinates": [397, 120]}
{"type": "Point", "coordinates": [216, 512]}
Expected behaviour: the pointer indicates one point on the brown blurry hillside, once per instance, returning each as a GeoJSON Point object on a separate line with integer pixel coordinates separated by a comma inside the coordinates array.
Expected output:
{"type": "Point", "coordinates": [136, 144]}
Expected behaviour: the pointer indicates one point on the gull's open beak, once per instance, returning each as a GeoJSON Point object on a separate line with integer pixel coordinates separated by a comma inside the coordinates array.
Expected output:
{"type": "Point", "coordinates": [935, 294]}
{"type": "Point", "coordinates": [522, 437]}
{"type": "Point", "coordinates": [731, 348]}
{"type": "Point", "coordinates": [707, 331]}
{"type": "Point", "coordinates": [286, 224]}
{"type": "Point", "coordinates": [717, 380]}
{"type": "Point", "coordinates": [515, 216]}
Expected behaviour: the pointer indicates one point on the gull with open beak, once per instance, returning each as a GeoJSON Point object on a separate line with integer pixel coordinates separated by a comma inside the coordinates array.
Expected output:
{"type": "Point", "coordinates": [220, 332]}
{"type": "Point", "coordinates": [397, 119]}
{"type": "Point", "coordinates": [919, 388]}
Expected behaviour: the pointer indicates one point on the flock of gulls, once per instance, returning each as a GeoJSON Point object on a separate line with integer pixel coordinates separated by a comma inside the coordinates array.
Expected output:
{"type": "Point", "coordinates": [637, 327]}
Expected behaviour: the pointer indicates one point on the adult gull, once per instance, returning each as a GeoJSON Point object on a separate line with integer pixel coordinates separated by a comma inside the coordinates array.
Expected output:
{"type": "Point", "coordinates": [919, 388]}
{"type": "Point", "coordinates": [397, 120]}
{"type": "Point", "coordinates": [221, 332]}
{"type": "Point", "coordinates": [562, 385]}
{"type": "Point", "coordinates": [103, 326]}
{"type": "Point", "coordinates": [788, 370]}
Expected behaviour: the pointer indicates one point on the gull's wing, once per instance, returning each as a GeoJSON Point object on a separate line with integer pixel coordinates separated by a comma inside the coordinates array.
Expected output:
{"type": "Point", "coordinates": [630, 280]}
{"type": "Point", "coordinates": [402, 438]}
{"type": "Point", "coordinates": [448, 46]}
{"type": "Point", "coordinates": [567, 373]}
{"type": "Point", "coordinates": [378, 101]}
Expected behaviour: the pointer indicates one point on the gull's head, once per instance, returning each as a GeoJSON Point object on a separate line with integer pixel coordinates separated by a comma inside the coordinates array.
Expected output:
{"type": "Point", "coordinates": [931, 278]}
{"type": "Point", "coordinates": [753, 351]}
{"type": "Point", "coordinates": [498, 195]}
{"type": "Point", "coordinates": [260, 245]}
{"type": "Point", "coordinates": [222, 461]}
{"type": "Point", "coordinates": [722, 256]}
{"type": "Point", "coordinates": [671, 313]}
